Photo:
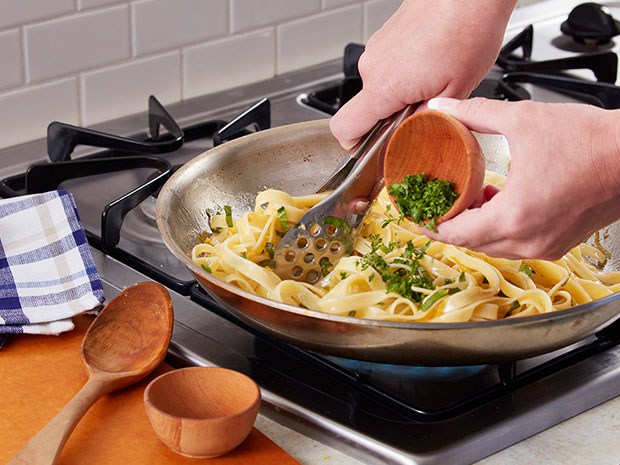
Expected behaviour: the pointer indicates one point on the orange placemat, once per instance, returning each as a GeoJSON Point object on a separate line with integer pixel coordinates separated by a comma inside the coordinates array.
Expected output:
{"type": "Point", "coordinates": [40, 374]}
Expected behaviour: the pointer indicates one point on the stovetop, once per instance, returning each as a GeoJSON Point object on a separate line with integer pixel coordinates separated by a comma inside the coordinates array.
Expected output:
{"type": "Point", "coordinates": [378, 413]}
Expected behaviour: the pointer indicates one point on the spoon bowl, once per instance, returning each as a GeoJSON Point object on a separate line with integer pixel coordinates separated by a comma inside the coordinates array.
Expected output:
{"type": "Point", "coordinates": [125, 342]}
{"type": "Point", "coordinates": [441, 147]}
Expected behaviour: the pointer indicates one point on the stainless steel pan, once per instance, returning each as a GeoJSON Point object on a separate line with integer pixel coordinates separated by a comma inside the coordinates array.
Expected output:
{"type": "Point", "coordinates": [298, 158]}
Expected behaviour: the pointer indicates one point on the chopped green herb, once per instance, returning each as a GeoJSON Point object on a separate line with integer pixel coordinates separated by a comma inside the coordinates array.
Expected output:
{"type": "Point", "coordinates": [421, 199]}
{"type": "Point", "coordinates": [216, 230]}
{"type": "Point", "coordinates": [302, 306]}
{"type": "Point", "coordinates": [326, 265]}
{"type": "Point", "coordinates": [283, 219]}
{"type": "Point", "coordinates": [526, 269]}
{"type": "Point", "coordinates": [271, 263]}
{"type": "Point", "coordinates": [462, 278]}
{"type": "Point", "coordinates": [371, 277]}
{"type": "Point", "coordinates": [351, 313]}
{"type": "Point", "coordinates": [421, 251]}
{"type": "Point", "coordinates": [244, 255]}
{"type": "Point", "coordinates": [206, 268]}
{"type": "Point", "coordinates": [338, 222]}
{"type": "Point", "coordinates": [431, 225]}
{"type": "Point", "coordinates": [228, 211]}
{"type": "Point", "coordinates": [343, 275]}
{"type": "Point", "coordinates": [402, 283]}
{"type": "Point", "coordinates": [269, 249]}
{"type": "Point", "coordinates": [514, 306]}
{"type": "Point", "coordinates": [447, 281]}
{"type": "Point", "coordinates": [434, 297]}
{"type": "Point", "coordinates": [279, 233]}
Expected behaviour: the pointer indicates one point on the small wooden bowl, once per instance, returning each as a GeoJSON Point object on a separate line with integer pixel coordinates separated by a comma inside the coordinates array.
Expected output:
{"type": "Point", "coordinates": [441, 147]}
{"type": "Point", "coordinates": [202, 412]}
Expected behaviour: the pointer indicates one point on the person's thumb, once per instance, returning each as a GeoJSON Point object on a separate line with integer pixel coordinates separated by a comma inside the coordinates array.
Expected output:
{"type": "Point", "coordinates": [478, 114]}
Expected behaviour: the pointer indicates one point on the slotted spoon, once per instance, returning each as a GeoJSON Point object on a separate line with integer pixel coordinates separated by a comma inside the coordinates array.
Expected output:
{"type": "Point", "coordinates": [328, 230]}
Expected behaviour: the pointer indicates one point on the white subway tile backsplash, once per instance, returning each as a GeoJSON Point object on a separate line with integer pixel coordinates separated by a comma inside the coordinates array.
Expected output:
{"type": "Point", "coordinates": [228, 63]}
{"type": "Point", "coordinates": [317, 38]}
{"type": "Point", "coordinates": [124, 89]}
{"type": "Point", "coordinates": [165, 24]}
{"type": "Point", "coordinates": [26, 113]}
{"type": "Point", "coordinates": [11, 55]}
{"type": "Point", "coordinates": [62, 46]}
{"type": "Point", "coordinates": [248, 14]}
{"type": "Point", "coordinates": [86, 61]}
{"type": "Point", "coordinates": [83, 4]}
{"type": "Point", "coordinates": [17, 12]}
{"type": "Point", "coordinates": [376, 13]}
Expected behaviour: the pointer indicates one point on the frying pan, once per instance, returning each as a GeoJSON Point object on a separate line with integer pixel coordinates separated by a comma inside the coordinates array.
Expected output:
{"type": "Point", "coordinates": [297, 158]}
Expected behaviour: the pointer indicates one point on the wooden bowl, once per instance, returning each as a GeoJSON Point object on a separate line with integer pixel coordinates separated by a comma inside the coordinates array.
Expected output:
{"type": "Point", "coordinates": [442, 147]}
{"type": "Point", "coordinates": [202, 412]}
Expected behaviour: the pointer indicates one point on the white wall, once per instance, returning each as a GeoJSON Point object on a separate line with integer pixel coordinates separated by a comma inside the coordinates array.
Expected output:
{"type": "Point", "coordinates": [87, 61]}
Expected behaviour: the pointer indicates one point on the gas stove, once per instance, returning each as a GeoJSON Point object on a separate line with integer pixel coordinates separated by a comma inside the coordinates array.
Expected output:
{"type": "Point", "coordinates": [377, 413]}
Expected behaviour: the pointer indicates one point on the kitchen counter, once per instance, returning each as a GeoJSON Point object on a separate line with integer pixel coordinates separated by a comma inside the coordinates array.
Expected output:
{"type": "Point", "coordinates": [589, 438]}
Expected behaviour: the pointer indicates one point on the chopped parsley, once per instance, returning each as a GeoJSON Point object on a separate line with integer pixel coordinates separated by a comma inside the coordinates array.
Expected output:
{"type": "Point", "coordinates": [228, 212]}
{"type": "Point", "coordinates": [526, 269]}
{"type": "Point", "coordinates": [338, 222]}
{"type": "Point", "coordinates": [269, 249]}
{"type": "Point", "coordinates": [420, 199]}
{"type": "Point", "coordinates": [282, 218]}
{"type": "Point", "coordinates": [402, 281]}
{"type": "Point", "coordinates": [351, 313]}
{"type": "Point", "coordinates": [271, 263]}
{"type": "Point", "coordinates": [434, 297]}
{"type": "Point", "coordinates": [326, 265]}
{"type": "Point", "coordinates": [513, 307]}
{"type": "Point", "coordinates": [343, 275]}
{"type": "Point", "coordinates": [206, 268]}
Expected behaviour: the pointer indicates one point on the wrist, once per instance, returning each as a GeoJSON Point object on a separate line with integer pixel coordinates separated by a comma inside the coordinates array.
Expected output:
{"type": "Point", "coordinates": [606, 141]}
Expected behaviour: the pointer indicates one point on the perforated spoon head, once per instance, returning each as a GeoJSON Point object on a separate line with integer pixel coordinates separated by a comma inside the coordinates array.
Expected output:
{"type": "Point", "coordinates": [441, 147]}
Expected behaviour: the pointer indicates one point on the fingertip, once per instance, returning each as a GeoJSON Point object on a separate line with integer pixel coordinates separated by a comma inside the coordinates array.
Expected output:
{"type": "Point", "coordinates": [356, 117]}
{"type": "Point", "coordinates": [443, 104]}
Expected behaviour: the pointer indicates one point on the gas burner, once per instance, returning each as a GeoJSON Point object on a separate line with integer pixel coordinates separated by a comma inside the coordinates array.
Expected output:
{"type": "Point", "coordinates": [569, 44]}
{"type": "Point", "coordinates": [590, 24]}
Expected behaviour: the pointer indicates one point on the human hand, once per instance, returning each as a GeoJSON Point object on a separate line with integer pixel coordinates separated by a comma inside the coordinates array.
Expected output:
{"type": "Point", "coordinates": [562, 186]}
{"type": "Point", "coordinates": [428, 48]}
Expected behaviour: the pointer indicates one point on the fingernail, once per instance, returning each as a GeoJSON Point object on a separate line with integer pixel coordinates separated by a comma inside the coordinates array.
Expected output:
{"type": "Point", "coordinates": [442, 103]}
{"type": "Point", "coordinates": [361, 205]}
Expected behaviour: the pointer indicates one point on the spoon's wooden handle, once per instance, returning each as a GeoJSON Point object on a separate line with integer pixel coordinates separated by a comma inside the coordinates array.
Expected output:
{"type": "Point", "coordinates": [45, 447]}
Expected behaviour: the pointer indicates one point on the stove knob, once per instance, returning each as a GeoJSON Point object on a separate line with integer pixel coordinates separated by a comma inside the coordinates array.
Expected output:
{"type": "Point", "coordinates": [590, 24]}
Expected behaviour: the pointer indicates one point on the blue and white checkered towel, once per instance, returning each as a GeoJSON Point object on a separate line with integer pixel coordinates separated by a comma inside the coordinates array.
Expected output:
{"type": "Point", "coordinates": [47, 272]}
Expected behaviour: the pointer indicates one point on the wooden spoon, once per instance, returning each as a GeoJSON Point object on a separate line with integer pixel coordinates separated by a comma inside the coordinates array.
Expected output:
{"type": "Point", "coordinates": [125, 342]}
{"type": "Point", "coordinates": [442, 147]}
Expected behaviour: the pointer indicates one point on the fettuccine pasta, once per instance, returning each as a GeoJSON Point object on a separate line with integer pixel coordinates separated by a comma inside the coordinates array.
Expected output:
{"type": "Point", "coordinates": [395, 272]}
